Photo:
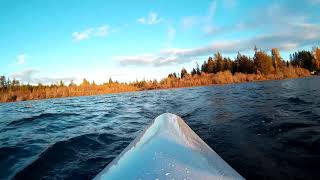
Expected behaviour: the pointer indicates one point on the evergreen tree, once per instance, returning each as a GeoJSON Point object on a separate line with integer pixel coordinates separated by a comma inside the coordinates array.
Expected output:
{"type": "Point", "coordinates": [110, 80]}
{"type": "Point", "coordinates": [175, 75]}
{"type": "Point", "coordinates": [219, 62]}
{"type": "Point", "coordinates": [198, 69]}
{"type": "Point", "coordinates": [2, 81]}
{"type": "Point", "coordinates": [61, 83]}
{"type": "Point", "coordinates": [184, 73]}
{"type": "Point", "coordinates": [227, 64]}
{"type": "Point", "coordinates": [15, 83]}
{"type": "Point", "coordinates": [244, 64]}
{"type": "Point", "coordinates": [8, 83]}
{"type": "Point", "coordinates": [204, 67]}
{"type": "Point", "coordinates": [210, 66]}
{"type": "Point", "coordinates": [193, 72]}
{"type": "Point", "coordinates": [72, 83]}
{"type": "Point", "coordinates": [303, 59]}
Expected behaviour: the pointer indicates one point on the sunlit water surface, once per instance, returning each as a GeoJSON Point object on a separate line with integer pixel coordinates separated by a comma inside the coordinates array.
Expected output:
{"type": "Point", "coordinates": [264, 130]}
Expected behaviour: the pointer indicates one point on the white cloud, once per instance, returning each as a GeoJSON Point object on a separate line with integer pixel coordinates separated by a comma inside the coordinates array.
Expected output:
{"type": "Point", "coordinates": [302, 34]}
{"type": "Point", "coordinates": [28, 76]}
{"type": "Point", "coordinates": [151, 19]}
{"type": "Point", "coordinates": [145, 59]}
{"type": "Point", "coordinates": [285, 41]}
{"type": "Point", "coordinates": [100, 31]}
{"type": "Point", "coordinates": [21, 58]}
{"type": "Point", "coordinates": [151, 60]}
{"type": "Point", "coordinates": [274, 18]}
{"type": "Point", "coordinates": [79, 36]}
{"type": "Point", "coordinates": [142, 20]}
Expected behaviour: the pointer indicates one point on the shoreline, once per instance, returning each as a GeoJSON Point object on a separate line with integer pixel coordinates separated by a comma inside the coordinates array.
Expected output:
{"type": "Point", "coordinates": [156, 89]}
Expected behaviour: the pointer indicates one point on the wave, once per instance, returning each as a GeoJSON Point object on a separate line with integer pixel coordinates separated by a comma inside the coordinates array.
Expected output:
{"type": "Point", "coordinates": [80, 157]}
{"type": "Point", "coordinates": [289, 125]}
{"type": "Point", "coordinates": [297, 101]}
{"type": "Point", "coordinates": [31, 119]}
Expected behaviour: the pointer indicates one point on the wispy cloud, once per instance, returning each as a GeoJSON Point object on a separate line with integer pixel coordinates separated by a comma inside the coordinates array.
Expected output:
{"type": "Point", "coordinates": [276, 17]}
{"type": "Point", "coordinates": [151, 60]}
{"type": "Point", "coordinates": [212, 9]}
{"type": "Point", "coordinates": [151, 19]}
{"type": "Point", "coordinates": [204, 20]}
{"type": "Point", "coordinates": [301, 35]}
{"type": "Point", "coordinates": [28, 76]}
{"type": "Point", "coordinates": [100, 31]}
{"type": "Point", "coordinates": [21, 58]}
{"type": "Point", "coordinates": [79, 36]}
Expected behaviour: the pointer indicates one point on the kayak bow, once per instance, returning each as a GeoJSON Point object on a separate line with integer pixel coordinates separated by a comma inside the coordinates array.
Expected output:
{"type": "Point", "coordinates": [168, 149]}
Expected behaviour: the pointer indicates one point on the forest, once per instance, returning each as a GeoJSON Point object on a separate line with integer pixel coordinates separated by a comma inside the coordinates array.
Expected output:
{"type": "Point", "coordinates": [214, 70]}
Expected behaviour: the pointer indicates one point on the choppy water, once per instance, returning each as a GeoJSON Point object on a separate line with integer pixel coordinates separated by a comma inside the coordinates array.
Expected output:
{"type": "Point", "coordinates": [264, 130]}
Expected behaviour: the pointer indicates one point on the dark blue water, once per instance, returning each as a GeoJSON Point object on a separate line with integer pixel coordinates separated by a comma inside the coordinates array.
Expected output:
{"type": "Point", "coordinates": [265, 130]}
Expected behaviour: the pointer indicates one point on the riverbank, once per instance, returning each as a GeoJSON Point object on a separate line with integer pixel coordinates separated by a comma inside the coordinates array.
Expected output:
{"type": "Point", "coordinates": [28, 92]}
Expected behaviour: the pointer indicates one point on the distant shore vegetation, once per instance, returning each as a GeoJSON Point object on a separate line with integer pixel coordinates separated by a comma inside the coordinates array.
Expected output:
{"type": "Point", "coordinates": [214, 70]}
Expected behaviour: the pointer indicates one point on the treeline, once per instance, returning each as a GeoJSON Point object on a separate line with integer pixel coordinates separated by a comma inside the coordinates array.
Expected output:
{"type": "Point", "coordinates": [11, 92]}
{"type": "Point", "coordinates": [260, 63]}
{"type": "Point", "coordinates": [215, 70]}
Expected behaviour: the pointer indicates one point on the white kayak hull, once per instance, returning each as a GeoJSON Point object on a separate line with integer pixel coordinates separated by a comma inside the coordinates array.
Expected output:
{"type": "Point", "coordinates": [168, 149]}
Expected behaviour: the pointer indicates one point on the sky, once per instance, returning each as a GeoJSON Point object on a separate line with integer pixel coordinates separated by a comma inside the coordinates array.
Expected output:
{"type": "Point", "coordinates": [45, 41]}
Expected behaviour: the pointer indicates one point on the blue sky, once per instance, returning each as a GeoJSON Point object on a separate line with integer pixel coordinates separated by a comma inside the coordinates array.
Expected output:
{"type": "Point", "coordinates": [51, 40]}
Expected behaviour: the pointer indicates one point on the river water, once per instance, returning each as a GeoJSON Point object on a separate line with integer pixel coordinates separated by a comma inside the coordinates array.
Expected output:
{"type": "Point", "coordinates": [264, 130]}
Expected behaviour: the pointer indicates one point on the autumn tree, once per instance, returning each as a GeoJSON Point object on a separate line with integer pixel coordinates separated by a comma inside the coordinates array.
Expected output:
{"type": "Point", "coordinates": [263, 62]}
{"type": "Point", "coordinates": [85, 82]}
{"type": "Point", "coordinates": [316, 59]}
{"type": "Point", "coordinates": [276, 59]}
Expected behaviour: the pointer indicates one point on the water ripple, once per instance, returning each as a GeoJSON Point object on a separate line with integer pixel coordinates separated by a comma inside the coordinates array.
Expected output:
{"type": "Point", "coordinates": [265, 130]}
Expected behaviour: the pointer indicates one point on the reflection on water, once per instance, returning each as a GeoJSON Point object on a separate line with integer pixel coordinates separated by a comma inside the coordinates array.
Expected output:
{"type": "Point", "coordinates": [263, 130]}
